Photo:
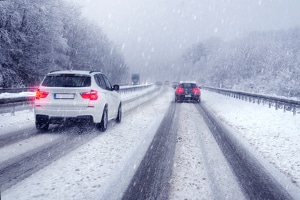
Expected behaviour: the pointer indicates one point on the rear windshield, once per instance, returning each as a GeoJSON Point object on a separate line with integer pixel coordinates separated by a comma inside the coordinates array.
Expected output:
{"type": "Point", "coordinates": [67, 80]}
{"type": "Point", "coordinates": [188, 85]}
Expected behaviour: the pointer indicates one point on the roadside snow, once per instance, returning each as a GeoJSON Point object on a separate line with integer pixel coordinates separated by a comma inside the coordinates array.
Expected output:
{"type": "Point", "coordinates": [7, 95]}
{"type": "Point", "coordinates": [275, 134]}
{"type": "Point", "coordinates": [18, 121]}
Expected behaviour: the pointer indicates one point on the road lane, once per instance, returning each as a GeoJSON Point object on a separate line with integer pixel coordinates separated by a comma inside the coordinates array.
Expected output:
{"type": "Point", "coordinates": [200, 169]}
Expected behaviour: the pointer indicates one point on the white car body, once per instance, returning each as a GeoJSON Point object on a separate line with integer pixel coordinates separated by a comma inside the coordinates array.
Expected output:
{"type": "Point", "coordinates": [86, 99]}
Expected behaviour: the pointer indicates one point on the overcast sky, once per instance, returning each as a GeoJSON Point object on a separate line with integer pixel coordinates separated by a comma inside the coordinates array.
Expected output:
{"type": "Point", "coordinates": [155, 32]}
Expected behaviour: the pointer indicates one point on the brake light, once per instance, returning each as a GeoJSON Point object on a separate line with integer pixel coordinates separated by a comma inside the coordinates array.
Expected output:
{"type": "Point", "coordinates": [196, 91]}
{"type": "Point", "coordinates": [41, 94]}
{"type": "Point", "coordinates": [179, 90]}
{"type": "Point", "coordinates": [92, 95]}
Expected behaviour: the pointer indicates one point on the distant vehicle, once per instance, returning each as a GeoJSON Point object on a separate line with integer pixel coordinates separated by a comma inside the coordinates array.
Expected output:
{"type": "Point", "coordinates": [175, 84]}
{"type": "Point", "coordinates": [135, 78]}
{"type": "Point", "coordinates": [158, 83]}
{"type": "Point", "coordinates": [76, 96]}
{"type": "Point", "coordinates": [188, 91]}
{"type": "Point", "coordinates": [167, 82]}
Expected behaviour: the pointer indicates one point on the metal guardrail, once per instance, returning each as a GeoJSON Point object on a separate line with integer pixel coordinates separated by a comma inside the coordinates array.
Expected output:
{"type": "Point", "coordinates": [18, 90]}
{"type": "Point", "coordinates": [23, 99]}
{"type": "Point", "coordinates": [133, 88]}
{"type": "Point", "coordinates": [277, 102]}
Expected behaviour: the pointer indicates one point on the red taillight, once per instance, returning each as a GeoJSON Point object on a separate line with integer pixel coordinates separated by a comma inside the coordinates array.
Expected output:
{"type": "Point", "coordinates": [41, 94]}
{"type": "Point", "coordinates": [179, 90]}
{"type": "Point", "coordinates": [196, 91]}
{"type": "Point", "coordinates": [92, 95]}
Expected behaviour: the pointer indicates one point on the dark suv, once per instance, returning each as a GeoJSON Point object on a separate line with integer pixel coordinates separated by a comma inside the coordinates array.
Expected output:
{"type": "Point", "coordinates": [188, 91]}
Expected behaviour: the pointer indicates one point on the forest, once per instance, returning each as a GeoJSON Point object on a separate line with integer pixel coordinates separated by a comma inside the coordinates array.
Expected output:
{"type": "Point", "coordinates": [40, 36]}
{"type": "Point", "coordinates": [266, 62]}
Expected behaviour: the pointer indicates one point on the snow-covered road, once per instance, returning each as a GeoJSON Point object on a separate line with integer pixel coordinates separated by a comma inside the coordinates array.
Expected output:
{"type": "Point", "coordinates": [103, 166]}
{"type": "Point", "coordinates": [200, 169]}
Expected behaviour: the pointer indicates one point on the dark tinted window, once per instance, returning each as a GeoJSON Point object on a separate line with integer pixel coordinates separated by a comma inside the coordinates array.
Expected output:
{"type": "Point", "coordinates": [188, 85]}
{"type": "Point", "coordinates": [100, 82]}
{"type": "Point", "coordinates": [67, 80]}
{"type": "Point", "coordinates": [107, 83]}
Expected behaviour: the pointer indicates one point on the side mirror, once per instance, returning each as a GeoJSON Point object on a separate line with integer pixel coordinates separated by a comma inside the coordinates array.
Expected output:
{"type": "Point", "coordinates": [116, 87]}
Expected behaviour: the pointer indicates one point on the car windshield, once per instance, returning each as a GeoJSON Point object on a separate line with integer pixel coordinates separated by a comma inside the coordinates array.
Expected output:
{"type": "Point", "coordinates": [67, 80]}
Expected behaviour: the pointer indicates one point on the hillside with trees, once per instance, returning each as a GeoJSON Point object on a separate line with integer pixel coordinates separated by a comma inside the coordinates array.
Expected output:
{"type": "Point", "coordinates": [261, 62]}
{"type": "Point", "coordinates": [40, 36]}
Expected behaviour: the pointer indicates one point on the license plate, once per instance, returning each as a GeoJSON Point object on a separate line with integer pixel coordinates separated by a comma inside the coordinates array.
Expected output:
{"type": "Point", "coordinates": [188, 95]}
{"type": "Point", "coordinates": [64, 96]}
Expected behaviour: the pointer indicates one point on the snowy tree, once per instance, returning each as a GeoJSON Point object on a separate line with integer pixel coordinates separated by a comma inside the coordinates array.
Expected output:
{"type": "Point", "coordinates": [40, 36]}
{"type": "Point", "coordinates": [195, 53]}
{"type": "Point", "coordinates": [33, 38]}
{"type": "Point", "coordinates": [262, 62]}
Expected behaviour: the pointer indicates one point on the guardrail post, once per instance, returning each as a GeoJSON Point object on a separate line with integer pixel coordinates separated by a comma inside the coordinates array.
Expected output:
{"type": "Point", "coordinates": [294, 110]}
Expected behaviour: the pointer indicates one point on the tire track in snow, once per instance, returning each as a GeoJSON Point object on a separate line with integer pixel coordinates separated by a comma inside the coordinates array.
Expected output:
{"type": "Point", "coordinates": [200, 169]}
{"type": "Point", "coordinates": [253, 175]}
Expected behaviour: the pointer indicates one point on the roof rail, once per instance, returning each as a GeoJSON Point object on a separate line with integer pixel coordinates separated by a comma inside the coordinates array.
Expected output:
{"type": "Point", "coordinates": [94, 71]}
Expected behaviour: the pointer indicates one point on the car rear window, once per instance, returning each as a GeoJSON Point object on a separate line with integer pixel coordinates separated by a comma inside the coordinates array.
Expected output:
{"type": "Point", "coordinates": [188, 85]}
{"type": "Point", "coordinates": [67, 80]}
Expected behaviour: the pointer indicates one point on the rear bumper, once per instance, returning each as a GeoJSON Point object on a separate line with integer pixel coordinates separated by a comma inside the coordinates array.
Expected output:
{"type": "Point", "coordinates": [187, 98]}
{"type": "Point", "coordinates": [60, 116]}
{"type": "Point", "coordinates": [61, 120]}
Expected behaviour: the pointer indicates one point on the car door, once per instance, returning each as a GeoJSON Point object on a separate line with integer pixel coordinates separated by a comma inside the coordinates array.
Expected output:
{"type": "Point", "coordinates": [103, 93]}
{"type": "Point", "coordinates": [113, 99]}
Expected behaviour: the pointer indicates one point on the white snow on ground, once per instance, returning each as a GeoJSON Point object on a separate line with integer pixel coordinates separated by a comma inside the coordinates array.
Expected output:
{"type": "Point", "coordinates": [20, 120]}
{"type": "Point", "coordinates": [273, 133]}
{"type": "Point", "coordinates": [19, 148]}
{"type": "Point", "coordinates": [86, 172]}
{"type": "Point", "coordinates": [7, 95]}
{"type": "Point", "coordinates": [200, 169]}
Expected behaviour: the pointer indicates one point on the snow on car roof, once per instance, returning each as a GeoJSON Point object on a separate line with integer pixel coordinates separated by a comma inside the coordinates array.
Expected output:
{"type": "Point", "coordinates": [73, 72]}
{"type": "Point", "coordinates": [188, 82]}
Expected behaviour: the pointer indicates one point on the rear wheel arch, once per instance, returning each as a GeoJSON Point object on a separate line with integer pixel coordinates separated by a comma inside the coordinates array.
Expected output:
{"type": "Point", "coordinates": [102, 126]}
{"type": "Point", "coordinates": [42, 122]}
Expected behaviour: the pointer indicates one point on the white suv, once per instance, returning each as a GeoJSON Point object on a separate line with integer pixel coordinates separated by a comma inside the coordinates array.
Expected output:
{"type": "Point", "coordinates": [77, 96]}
